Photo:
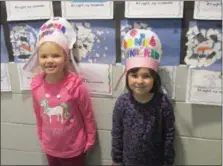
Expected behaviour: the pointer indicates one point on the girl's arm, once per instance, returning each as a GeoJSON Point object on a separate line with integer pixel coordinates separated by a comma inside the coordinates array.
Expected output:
{"type": "Point", "coordinates": [38, 117]}
{"type": "Point", "coordinates": [85, 107]}
{"type": "Point", "coordinates": [117, 132]}
{"type": "Point", "coordinates": [169, 134]}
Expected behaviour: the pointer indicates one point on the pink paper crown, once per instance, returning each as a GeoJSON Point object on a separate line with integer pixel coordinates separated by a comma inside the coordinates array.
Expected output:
{"type": "Point", "coordinates": [59, 31]}
{"type": "Point", "coordinates": [142, 48]}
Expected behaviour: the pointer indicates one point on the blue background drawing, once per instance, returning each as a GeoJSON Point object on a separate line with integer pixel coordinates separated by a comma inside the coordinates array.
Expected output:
{"type": "Point", "coordinates": [96, 41]}
{"type": "Point", "coordinates": [4, 52]}
{"type": "Point", "coordinates": [169, 32]}
{"type": "Point", "coordinates": [31, 35]}
{"type": "Point", "coordinates": [203, 24]}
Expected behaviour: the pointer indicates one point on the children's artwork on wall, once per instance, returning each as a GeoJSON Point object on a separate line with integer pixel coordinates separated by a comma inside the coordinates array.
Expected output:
{"type": "Point", "coordinates": [208, 10]}
{"type": "Point", "coordinates": [204, 46]}
{"type": "Point", "coordinates": [98, 78]}
{"type": "Point", "coordinates": [204, 87]}
{"type": "Point", "coordinates": [23, 37]}
{"type": "Point", "coordinates": [29, 10]}
{"type": "Point", "coordinates": [169, 33]}
{"type": "Point", "coordinates": [96, 41]}
{"type": "Point", "coordinates": [5, 79]}
{"type": "Point", "coordinates": [4, 52]}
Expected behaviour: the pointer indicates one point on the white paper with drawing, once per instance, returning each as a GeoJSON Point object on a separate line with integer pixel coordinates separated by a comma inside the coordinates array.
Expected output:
{"type": "Point", "coordinates": [168, 77]}
{"type": "Point", "coordinates": [154, 9]}
{"type": "Point", "coordinates": [204, 87]}
{"type": "Point", "coordinates": [98, 77]}
{"type": "Point", "coordinates": [29, 10]}
{"type": "Point", "coordinates": [5, 79]}
{"type": "Point", "coordinates": [207, 10]}
{"type": "Point", "coordinates": [24, 77]}
{"type": "Point", "coordinates": [94, 10]}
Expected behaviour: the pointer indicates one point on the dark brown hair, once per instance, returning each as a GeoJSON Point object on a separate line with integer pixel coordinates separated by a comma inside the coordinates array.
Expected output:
{"type": "Point", "coordinates": [157, 81]}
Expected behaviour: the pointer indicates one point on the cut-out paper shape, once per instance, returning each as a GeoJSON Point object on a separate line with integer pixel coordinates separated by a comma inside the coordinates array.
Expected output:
{"type": "Point", "coordinates": [204, 46]}
{"type": "Point", "coordinates": [23, 38]}
{"type": "Point", "coordinates": [96, 41]}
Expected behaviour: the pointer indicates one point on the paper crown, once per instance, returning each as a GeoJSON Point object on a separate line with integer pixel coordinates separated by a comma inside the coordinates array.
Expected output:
{"type": "Point", "coordinates": [59, 31]}
{"type": "Point", "coordinates": [62, 25]}
{"type": "Point", "coordinates": [142, 48]}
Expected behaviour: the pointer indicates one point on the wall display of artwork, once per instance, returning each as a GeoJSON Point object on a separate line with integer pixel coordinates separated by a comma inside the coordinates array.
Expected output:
{"type": "Point", "coordinates": [204, 87]}
{"type": "Point", "coordinates": [169, 33]}
{"type": "Point", "coordinates": [23, 37]}
{"type": "Point", "coordinates": [96, 41]}
{"type": "Point", "coordinates": [208, 10]}
{"type": "Point", "coordinates": [204, 45]}
{"type": "Point", "coordinates": [87, 10]}
{"type": "Point", "coordinates": [154, 9]}
{"type": "Point", "coordinates": [29, 10]}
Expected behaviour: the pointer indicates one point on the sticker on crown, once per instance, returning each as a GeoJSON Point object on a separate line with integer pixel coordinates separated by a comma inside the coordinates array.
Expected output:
{"type": "Point", "coordinates": [139, 42]}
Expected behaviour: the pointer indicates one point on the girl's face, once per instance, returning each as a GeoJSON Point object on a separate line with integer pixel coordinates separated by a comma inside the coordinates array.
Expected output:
{"type": "Point", "coordinates": [140, 82]}
{"type": "Point", "coordinates": [52, 58]}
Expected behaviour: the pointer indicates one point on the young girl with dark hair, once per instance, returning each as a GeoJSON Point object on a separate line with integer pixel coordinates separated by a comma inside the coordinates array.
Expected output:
{"type": "Point", "coordinates": [143, 118]}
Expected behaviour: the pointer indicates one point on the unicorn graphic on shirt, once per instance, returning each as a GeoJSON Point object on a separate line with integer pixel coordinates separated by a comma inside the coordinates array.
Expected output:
{"type": "Point", "coordinates": [60, 111]}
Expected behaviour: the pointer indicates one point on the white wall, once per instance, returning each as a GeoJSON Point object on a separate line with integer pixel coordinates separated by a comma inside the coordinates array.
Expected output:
{"type": "Point", "coordinates": [198, 139]}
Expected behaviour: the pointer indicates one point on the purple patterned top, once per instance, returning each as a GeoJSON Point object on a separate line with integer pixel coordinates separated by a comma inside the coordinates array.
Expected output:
{"type": "Point", "coordinates": [143, 134]}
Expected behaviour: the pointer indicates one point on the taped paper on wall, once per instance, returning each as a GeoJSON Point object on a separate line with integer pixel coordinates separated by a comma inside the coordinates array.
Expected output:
{"type": "Point", "coordinates": [29, 10]}
{"type": "Point", "coordinates": [24, 77]}
{"type": "Point", "coordinates": [98, 78]}
{"type": "Point", "coordinates": [207, 10]}
{"type": "Point", "coordinates": [154, 9]}
{"type": "Point", "coordinates": [87, 10]}
{"type": "Point", "coordinates": [5, 79]}
{"type": "Point", "coordinates": [204, 87]}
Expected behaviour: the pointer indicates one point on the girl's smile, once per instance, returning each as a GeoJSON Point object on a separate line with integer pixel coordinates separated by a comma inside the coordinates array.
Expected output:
{"type": "Point", "coordinates": [52, 59]}
{"type": "Point", "coordinates": [140, 82]}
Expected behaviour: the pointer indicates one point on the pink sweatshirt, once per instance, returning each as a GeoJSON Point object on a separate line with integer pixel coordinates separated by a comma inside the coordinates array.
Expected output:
{"type": "Point", "coordinates": [65, 121]}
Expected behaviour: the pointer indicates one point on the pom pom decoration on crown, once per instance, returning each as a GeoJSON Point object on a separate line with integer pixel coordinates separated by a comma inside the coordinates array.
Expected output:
{"type": "Point", "coordinates": [141, 42]}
